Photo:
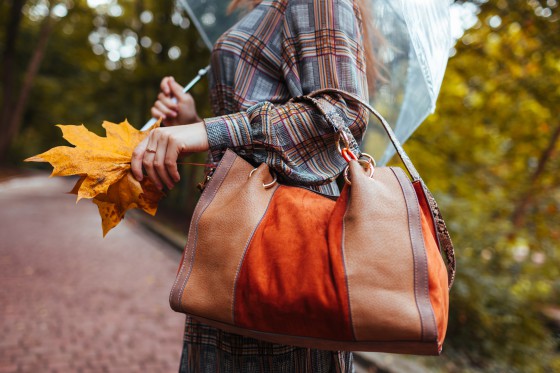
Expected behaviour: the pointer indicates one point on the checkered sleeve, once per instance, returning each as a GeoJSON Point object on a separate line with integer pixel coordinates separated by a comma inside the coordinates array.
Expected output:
{"type": "Point", "coordinates": [322, 47]}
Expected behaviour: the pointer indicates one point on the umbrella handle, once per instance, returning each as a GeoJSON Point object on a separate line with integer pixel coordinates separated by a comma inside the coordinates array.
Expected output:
{"type": "Point", "coordinates": [187, 88]}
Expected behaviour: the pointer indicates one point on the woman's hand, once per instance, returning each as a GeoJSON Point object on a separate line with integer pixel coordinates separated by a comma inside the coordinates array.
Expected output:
{"type": "Point", "coordinates": [183, 111]}
{"type": "Point", "coordinates": [158, 152]}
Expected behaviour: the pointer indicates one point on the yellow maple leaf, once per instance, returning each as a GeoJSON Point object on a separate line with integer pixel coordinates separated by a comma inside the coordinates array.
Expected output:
{"type": "Point", "coordinates": [103, 160]}
{"type": "Point", "coordinates": [127, 193]}
{"type": "Point", "coordinates": [103, 164]}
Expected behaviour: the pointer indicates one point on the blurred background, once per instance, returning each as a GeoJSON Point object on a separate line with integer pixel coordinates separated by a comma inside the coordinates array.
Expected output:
{"type": "Point", "coordinates": [490, 153]}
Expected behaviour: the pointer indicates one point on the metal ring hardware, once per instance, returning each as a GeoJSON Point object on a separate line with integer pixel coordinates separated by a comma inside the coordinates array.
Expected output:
{"type": "Point", "coordinates": [368, 165]}
{"type": "Point", "coordinates": [344, 137]}
{"type": "Point", "coordinates": [345, 152]}
{"type": "Point", "coordinates": [265, 186]}
{"type": "Point", "coordinates": [370, 159]}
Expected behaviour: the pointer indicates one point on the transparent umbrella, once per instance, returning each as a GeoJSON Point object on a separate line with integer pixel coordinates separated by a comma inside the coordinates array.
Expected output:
{"type": "Point", "coordinates": [413, 49]}
{"type": "Point", "coordinates": [413, 54]}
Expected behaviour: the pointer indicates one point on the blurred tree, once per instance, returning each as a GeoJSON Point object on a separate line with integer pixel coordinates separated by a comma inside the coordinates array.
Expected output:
{"type": "Point", "coordinates": [491, 156]}
{"type": "Point", "coordinates": [11, 33]}
{"type": "Point", "coordinates": [14, 110]}
{"type": "Point", "coordinates": [104, 60]}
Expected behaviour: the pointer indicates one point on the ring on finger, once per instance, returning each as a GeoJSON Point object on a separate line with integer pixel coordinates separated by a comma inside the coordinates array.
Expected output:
{"type": "Point", "coordinates": [151, 150]}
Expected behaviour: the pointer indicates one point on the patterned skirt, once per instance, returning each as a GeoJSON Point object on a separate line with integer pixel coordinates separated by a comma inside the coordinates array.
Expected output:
{"type": "Point", "coordinates": [209, 350]}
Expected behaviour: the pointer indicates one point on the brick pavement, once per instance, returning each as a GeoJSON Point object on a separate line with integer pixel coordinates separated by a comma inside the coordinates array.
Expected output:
{"type": "Point", "coordinates": [71, 301]}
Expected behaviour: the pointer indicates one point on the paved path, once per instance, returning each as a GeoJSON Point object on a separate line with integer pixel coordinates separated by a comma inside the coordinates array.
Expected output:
{"type": "Point", "coordinates": [71, 301]}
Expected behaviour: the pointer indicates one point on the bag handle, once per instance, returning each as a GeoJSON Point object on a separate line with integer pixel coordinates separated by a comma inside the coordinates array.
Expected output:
{"type": "Point", "coordinates": [334, 119]}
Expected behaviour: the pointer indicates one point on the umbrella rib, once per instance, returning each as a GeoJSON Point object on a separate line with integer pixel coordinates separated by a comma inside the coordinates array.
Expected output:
{"type": "Point", "coordinates": [197, 24]}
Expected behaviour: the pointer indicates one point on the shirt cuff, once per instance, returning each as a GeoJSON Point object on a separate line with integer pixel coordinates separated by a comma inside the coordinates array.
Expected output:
{"type": "Point", "coordinates": [230, 131]}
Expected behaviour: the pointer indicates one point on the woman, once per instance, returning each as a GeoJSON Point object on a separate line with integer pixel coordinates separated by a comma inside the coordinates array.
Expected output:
{"type": "Point", "coordinates": [279, 50]}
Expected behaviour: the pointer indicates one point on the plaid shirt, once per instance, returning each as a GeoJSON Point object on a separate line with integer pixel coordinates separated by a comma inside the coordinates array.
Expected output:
{"type": "Point", "coordinates": [279, 50]}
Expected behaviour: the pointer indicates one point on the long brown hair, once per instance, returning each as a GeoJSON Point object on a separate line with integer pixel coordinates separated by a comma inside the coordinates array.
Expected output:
{"type": "Point", "coordinates": [370, 35]}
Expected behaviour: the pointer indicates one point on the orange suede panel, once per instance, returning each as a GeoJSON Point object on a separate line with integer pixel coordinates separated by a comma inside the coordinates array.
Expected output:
{"type": "Point", "coordinates": [437, 273]}
{"type": "Point", "coordinates": [295, 283]}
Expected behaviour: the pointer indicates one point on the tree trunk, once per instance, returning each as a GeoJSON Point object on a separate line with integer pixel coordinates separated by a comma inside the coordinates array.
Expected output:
{"type": "Point", "coordinates": [143, 66]}
{"type": "Point", "coordinates": [8, 73]}
{"type": "Point", "coordinates": [518, 216]}
{"type": "Point", "coordinates": [30, 74]}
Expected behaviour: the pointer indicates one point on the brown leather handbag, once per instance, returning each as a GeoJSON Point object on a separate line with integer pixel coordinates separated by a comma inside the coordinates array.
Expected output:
{"type": "Point", "coordinates": [287, 265]}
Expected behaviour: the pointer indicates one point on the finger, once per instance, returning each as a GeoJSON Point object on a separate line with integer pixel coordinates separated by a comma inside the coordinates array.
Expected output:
{"type": "Point", "coordinates": [148, 161]}
{"type": "Point", "coordinates": [164, 85]}
{"type": "Point", "coordinates": [170, 84]}
{"type": "Point", "coordinates": [136, 161]}
{"type": "Point", "coordinates": [176, 90]}
{"type": "Point", "coordinates": [171, 156]}
{"type": "Point", "coordinates": [157, 114]}
{"type": "Point", "coordinates": [165, 110]}
{"type": "Point", "coordinates": [168, 101]}
{"type": "Point", "coordinates": [159, 162]}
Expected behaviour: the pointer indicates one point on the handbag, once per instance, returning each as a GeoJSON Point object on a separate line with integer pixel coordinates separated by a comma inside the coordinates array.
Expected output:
{"type": "Point", "coordinates": [284, 264]}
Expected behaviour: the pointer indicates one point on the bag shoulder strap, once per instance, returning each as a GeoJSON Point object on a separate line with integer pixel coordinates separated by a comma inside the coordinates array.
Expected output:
{"type": "Point", "coordinates": [334, 119]}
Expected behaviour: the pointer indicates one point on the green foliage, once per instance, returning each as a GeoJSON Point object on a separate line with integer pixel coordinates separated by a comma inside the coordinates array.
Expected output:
{"type": "Point", "coordinates": [487, 153]}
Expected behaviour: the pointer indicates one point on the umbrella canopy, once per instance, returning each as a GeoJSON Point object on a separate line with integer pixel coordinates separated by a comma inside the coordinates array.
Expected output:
{"type": "Point", "coordinates": [415, 42]}
{"type": "Point", "coordinates": [414, 54]}
{"type": "Point", "coordinates": [210, 18]}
